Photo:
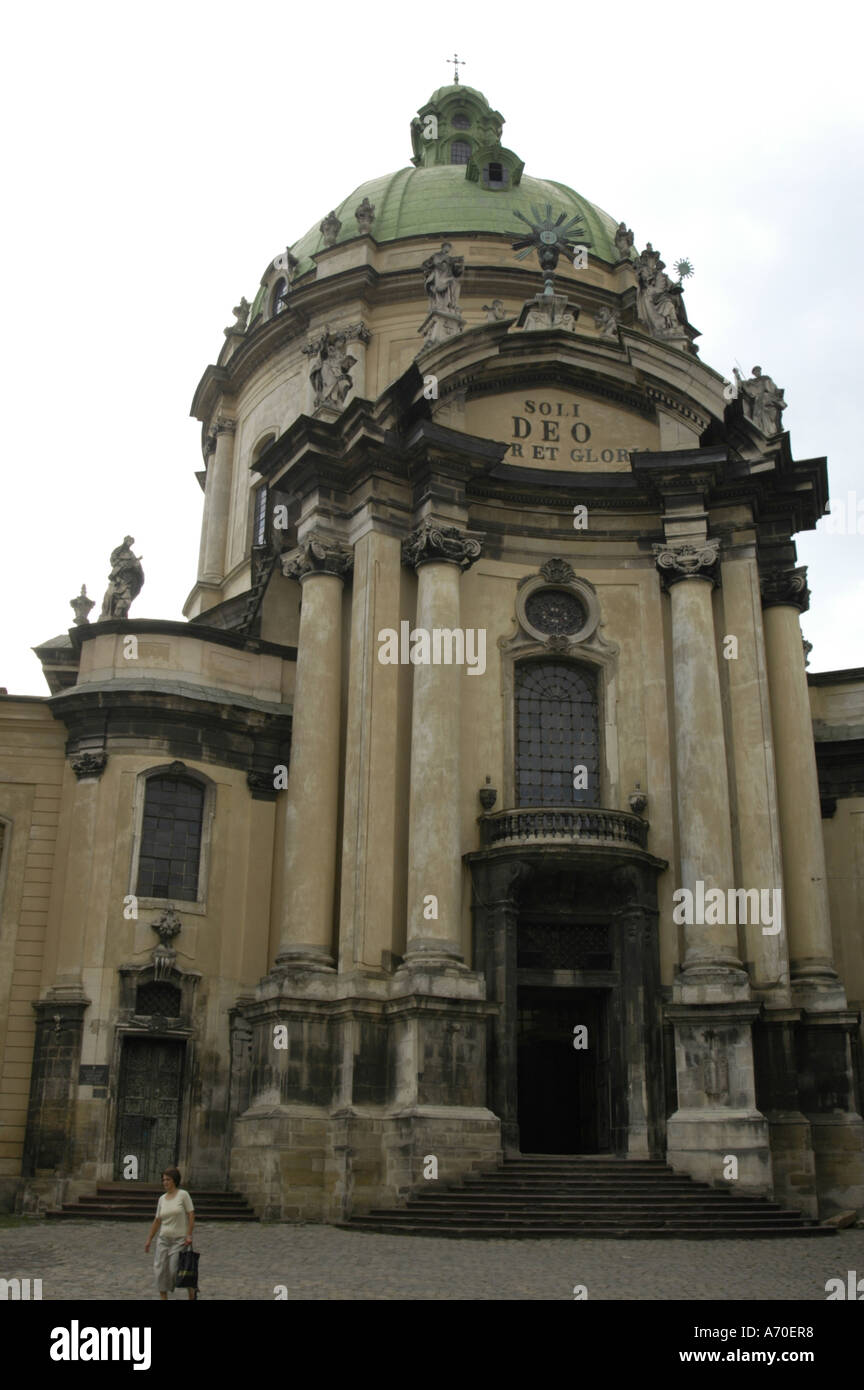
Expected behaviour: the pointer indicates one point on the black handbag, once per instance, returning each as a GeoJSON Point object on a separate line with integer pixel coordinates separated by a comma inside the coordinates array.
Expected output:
{"type": "Point", "coordinates": [187, 1268]}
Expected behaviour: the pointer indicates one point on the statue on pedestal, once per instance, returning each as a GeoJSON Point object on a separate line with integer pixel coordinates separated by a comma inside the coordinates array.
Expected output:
{"type": "Point", "coordinates": [442, 275]}
{"type": "Point", "coordinates": [763, 401]}
{"type": "Point", "coordinates": [124, 582]}
{"type": "Point", "coordinates": [441, 280]}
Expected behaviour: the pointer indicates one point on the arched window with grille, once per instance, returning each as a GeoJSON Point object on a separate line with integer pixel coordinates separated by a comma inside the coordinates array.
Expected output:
{"type": "Point", "coordinates": [170, 854]}
{"type": "Point", "coordinates": [557, 731]}
{"type": "Point", "coordinates": [460, 151]}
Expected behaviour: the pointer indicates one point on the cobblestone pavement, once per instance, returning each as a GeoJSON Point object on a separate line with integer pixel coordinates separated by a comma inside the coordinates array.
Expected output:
{"type": "Point", "coordinates": [106, 1260]}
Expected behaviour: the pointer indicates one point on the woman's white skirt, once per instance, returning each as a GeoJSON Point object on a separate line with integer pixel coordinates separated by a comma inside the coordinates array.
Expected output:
{"type": "Point", "coordinates": [165, 1263]}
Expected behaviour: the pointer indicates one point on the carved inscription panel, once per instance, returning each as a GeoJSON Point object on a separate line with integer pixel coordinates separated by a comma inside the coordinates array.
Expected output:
{"type": "Point", "coordinates": [559, 430]}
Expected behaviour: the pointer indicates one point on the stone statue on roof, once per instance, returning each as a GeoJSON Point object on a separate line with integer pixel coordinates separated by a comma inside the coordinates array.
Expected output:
{"type": "Point", "coordinates": [330, 228]}
{"type": "Point", "coordinates": [365, 215]}
{"type": "Point", "coordinates": [659, 303]}
{"type": "Point", "coordinates": [762, 401]}
{"type": "Point", "coordinates": [623, 241]}
{"type": "Point", "coordinates": [241, 315]}
{"type": "Point", "coordinates": [124, 582]}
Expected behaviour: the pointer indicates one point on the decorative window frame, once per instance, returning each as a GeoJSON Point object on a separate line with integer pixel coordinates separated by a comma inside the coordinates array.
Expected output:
{"type": "Point", "coordinates": [586, 647]}
{"type": "Point", "coordinates": [198, 906]}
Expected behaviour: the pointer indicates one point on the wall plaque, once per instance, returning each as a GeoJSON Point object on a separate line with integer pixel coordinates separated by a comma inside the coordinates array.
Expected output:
{"type": "Point", "coordinates": [92, 1075]}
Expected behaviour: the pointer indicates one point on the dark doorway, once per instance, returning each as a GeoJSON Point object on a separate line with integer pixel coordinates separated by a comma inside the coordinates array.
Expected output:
{"type": "Point", "coordinates": [148, 1123]}
{"type": "Point", "coordinates": [563, 1091]}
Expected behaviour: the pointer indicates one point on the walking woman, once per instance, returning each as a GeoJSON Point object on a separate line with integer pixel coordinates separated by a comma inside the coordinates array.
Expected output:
{"type": "Point", "coordinates": [174, 1206]}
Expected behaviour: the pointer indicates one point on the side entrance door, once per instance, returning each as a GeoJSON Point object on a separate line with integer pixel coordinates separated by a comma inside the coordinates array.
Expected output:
{"type": "Point", "coordinates": [148, 1125]}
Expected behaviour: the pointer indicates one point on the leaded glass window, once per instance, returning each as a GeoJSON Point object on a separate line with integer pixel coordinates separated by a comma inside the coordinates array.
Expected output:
{"type": "Point", "coordinates": [171, 839]}
{"type": "Point", "coordinates": [460, 152]}
{"type": "Point", "coordinates": [556, 731]}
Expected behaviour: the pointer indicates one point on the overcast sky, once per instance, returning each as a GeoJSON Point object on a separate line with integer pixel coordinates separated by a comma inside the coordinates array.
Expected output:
{"type": "Point", "coordinates": [156, 157]}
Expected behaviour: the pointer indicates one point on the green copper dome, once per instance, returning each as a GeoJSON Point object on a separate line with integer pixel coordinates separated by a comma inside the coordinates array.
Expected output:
{"type": "Point", "coordinates": [439, 196]}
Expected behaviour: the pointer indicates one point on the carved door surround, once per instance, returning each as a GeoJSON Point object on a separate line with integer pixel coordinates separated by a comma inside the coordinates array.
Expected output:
{"type": "Point", "coordinates": [515, 886]}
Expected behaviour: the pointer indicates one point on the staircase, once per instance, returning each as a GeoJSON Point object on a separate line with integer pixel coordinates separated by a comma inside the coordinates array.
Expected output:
{"type": "Point", "coordinates": [552, 1196]}
{"type": "Point", "coordinates": [136, 1201]}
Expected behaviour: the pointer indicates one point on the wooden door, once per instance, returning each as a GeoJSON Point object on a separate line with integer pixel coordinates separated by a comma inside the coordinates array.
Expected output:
{"type": "Point", "coordinates": [148, 1126]}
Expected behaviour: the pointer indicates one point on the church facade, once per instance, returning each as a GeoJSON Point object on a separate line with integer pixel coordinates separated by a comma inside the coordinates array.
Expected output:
{"type": "Point", "coordinates": [483, 804]}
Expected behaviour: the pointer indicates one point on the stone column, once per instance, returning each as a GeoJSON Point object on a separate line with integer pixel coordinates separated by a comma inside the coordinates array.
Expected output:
{"type": "Point", "coordinates": [717, 1117]}
{"type": "Point", "coordinates": [439, 553]}
{"type": "Point", "coordinates": [711, 954]}
{"type": "Point", "coordinates": [217, 504]}
{"type": "Point", "coordinates": [758, 826]}
{"type": "Point", "coordinates": [312, 802]}
{"type": "Point", "coordinates": [824, 1061]}
{"type": "Point", "coordinates": [373, 820]}
{"type": "Point", "coordinates": [815, 983]}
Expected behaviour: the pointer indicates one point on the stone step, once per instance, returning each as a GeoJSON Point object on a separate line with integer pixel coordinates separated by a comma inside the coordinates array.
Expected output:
{"type": "Point", "coordinates": [582, 1197]}
{"type": "Point", "coordinates": [432, 1220]}
{"type": "Point", "coordinates": [117, 1201]}
{"type": "Point", "coordinates": [585, 1230]}
{"type": "Point", "coordinates": [649, 1208]}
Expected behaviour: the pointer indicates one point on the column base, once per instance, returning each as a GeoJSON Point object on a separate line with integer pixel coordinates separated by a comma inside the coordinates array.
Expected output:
{"type": "Point", "coordinates": [711, 982]}
{"type": "Point", "coordinates": [816, 986]}
{"type": "Point", "coordinates": [303, 958]}
{"type": "Point", "coordinates": [700, 1142]}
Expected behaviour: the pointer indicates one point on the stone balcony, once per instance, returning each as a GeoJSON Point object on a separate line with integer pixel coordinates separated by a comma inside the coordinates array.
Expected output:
{"type": "Point", "coordinates": [563, 826]}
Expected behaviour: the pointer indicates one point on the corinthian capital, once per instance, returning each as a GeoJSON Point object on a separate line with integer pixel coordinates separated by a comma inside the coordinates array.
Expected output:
{"type": "Point", "coordinates": [782, 586]}
{"type": "Point", "coordinates": [431, 542]}
{"type": "Point", "coordinates": [677, 561]}
{"type": "Point", "coordinates": [317, 556]}
{"type": "Point", "coordinates": [224, 425]}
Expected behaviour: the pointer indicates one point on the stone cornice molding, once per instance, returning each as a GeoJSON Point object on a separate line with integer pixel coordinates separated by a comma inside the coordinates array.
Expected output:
{"type": "Point", "coordinates": [785, 587]}
{"type": "Point", "coordinates": [432, 542]}
{"type": "Point", "coordinates": [681, 560]}
{"type": "Point", "coordinates": [315, 555]}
